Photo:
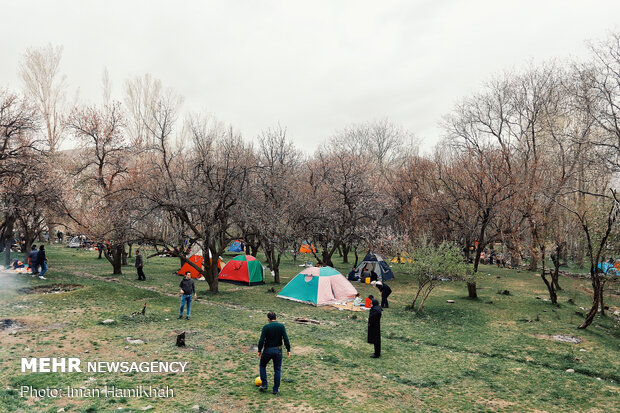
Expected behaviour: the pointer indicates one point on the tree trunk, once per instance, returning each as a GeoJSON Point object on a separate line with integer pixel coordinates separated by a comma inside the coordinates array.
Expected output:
{"type": "Point", "coordinates": [7, 252]}
{"type": "Point", "coordinates": [425, 296]}
{"type": "Point", "coordinates": [345, 253]}
{"type": "Point", "coordinates": [130, 246]}
{"type": "Point", "coordinates": [276, 270]}
{"type": "Point", "coordinates": [117, 253]}
{"type": "Point", "coordinates": [471, 289]}
{"type": "Point", "coordinates": [596, 285]}
{"type": "Point", "coordinates": [556, 267]}
{"type": "Point", "coordinates": [213, 273]}
{"type": "Point", "coordinates": [533, 260]}
{"type": "Point", "coordinates": [8, 238]}
{"type": "Point", "coordinates": [550, 287]}
{"type": "Point", "coordinates": [356, 256]}
{"type": "Point", "coordinates": [602, 302]}
{"type": "Point", "coordinates": [124, 256]}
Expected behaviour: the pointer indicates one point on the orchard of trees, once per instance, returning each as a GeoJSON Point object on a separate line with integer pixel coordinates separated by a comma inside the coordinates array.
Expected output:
{"type": "Point", "coordinates": [530, 163]}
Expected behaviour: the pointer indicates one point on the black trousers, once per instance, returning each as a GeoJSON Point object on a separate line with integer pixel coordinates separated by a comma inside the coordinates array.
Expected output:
{"type": "Point", "coordinates": [377, 348]}
{"type": "Point", "coordinates": [384, 302]}
{"type": "Point", "coordinates": [141, 274]}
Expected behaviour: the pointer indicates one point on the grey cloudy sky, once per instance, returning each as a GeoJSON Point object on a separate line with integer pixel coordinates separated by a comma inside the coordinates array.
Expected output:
{"type": "Point", "coordinates": [313, 66]}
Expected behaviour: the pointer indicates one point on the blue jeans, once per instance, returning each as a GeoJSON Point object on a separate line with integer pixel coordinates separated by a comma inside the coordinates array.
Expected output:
{"type": "Point", "coordinates": [43, 268]}
{"type": "Point", "coordinates": [186, 298]}
{"type": "Point", "coordinates": [275, 354]}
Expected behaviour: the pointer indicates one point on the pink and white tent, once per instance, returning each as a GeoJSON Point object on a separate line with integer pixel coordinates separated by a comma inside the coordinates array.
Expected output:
{"type": "Point", "coordinates": [319, 286]}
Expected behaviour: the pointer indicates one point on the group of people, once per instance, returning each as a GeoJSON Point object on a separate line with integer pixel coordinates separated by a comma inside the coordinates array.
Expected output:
{"type": "Point", "coordinates": [273, 334]}
{"type": "Point", "coordinates": [37, 261]}
{"type": "Point", "coordinates": [491, 257]}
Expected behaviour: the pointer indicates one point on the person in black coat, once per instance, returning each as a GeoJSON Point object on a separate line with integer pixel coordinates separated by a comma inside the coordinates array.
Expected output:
{"type": "Point", "coordinates": [374, 327]}
{"type": "Point", "coordinates": [140, 266]}
{"type": "Point", "coordinates": [385, 293]}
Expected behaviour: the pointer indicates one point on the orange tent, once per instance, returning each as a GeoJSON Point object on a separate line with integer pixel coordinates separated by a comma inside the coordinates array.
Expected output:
{"type": "Point", "coordinates": [307, 248]}
{"type": "Point", "coordinates": [197, 259]}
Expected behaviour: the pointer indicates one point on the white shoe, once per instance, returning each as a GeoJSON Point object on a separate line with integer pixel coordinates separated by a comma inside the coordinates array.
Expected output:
{"type": "Point", "coordinates": [42, 277]}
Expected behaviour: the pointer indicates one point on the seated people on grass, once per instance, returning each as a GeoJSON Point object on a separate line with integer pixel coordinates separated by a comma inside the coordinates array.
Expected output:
{"type": "Point", "coordinates": [17, 264]}
{"type": "Point", "coordinates": [357, 302]}
{"type": "Point", "coordinates": [368, 302]}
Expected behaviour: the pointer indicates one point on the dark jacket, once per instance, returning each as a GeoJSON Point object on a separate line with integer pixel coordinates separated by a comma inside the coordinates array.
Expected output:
{"type": "Point", "coordinates": [272, 335]}
{"type": "Point", "coordinates": [32, 256]}
{"type": "Point", "coordinates": [374, 323]}
{"type": "Point", "coordinates": [139, 262]}
{"type": "Point", "coordinates": [41, 257]}
{"type": "Point", "coordinates": [187, 286]}
{"type": "Point", "coordinates": [385, 290]}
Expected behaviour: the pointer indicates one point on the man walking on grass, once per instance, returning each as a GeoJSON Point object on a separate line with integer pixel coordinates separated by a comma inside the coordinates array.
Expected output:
{"type": "Point", "coordinates": [271, 339]}
{"type": "Point", "coordinates": [139, 266]}
{"type": "Point", "coordinates": [32, 260]}
{"type": "Point", "coordinates": [42, 261]}
{"type": "Point", "coordinates": [187, 291]}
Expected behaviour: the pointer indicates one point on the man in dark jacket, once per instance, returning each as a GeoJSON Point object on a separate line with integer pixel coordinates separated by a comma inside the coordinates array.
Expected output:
{"type": "Point", "coordinates": [374, 327]}
{"type": "Point", "coordinates": [271, 338]}
{"type": "Point", "coordinates": [188, 289]}
{"type": "Point", "coordinates": [385, 293]}
{"type": "Point", "coordinates": [32, 260]}
{"type": "Point", "coordinates": [139, 266]}
{"type": "Point", "coordinates": [42, 261]}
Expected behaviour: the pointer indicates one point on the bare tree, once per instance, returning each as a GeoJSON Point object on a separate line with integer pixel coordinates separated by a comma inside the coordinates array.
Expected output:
{"type": "Point", "coordinates": [101, 171]}
{"type": "Point", "coordinates": [39, 70]}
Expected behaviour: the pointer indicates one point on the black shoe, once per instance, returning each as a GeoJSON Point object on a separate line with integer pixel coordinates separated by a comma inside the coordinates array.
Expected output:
{"type": "Point", "coordinates": [187, 318]}
{"type": "Point", "coordinates": [262, 389]}
{"type": "Point", "coordinates": [374, 356]}
{"type": "Point", "coordinates": [276, 392]}
{"type": "Point", "coordinates": [179, 317]}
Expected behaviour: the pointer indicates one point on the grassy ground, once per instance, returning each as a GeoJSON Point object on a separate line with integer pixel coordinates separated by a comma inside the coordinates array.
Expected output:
{"type": "Point", "coordinates": [490, 354]}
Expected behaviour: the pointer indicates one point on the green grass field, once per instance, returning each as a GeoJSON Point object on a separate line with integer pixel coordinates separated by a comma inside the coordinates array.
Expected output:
{"type": "Point", "coordinates": [490, 354]}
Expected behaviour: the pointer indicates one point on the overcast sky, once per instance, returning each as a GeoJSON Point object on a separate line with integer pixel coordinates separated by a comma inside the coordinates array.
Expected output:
{"type": "Point", "coordinates": [313, 66]}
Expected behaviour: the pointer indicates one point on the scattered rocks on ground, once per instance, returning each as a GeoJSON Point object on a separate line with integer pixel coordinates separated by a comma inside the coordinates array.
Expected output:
{"type": "Point", "coordinates": [62, 409]}
{"type": "Point", "coordinates": [570, 370]}
{"type": "Point", "coordinates": [582, 349]}
{"type": "Point", "coordinates": [108, 321]}
{"type": "Point", "coordinates": [149, 407]}
{"type": "Point", "coordinates": [134, 341]}
{"type": "Point", "coordinates": [450, 301]}
{"type": "Point", "coordinates": [565, 338]}
{"type": "Point", "coordinates": [196, 407]}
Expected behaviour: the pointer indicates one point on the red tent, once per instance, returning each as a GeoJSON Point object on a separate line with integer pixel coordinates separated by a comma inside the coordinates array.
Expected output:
{"type": "Point", "coordinates": [197, 259]}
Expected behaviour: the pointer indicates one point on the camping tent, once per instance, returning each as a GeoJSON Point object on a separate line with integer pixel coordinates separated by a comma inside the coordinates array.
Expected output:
{"type": "Point", "coordinates": [307, 248]}
{"type": "Point", "coordinates": [376, 263]}
{"type": "Point", "coordinates": [319, 286]}
{"type": "Point", "coordinates": [236, 246]}
{"type": "Point", "coordinates": [243, 269]}
{"type": "Point", "coordinates": [401, 258]}
{"type": "Point", "coordinates": [607, 268]}
{"type": "Point", "coordinates": [197, 259]}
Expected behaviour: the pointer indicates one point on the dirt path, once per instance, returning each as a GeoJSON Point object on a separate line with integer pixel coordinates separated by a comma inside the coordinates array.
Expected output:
{"type": "Point", "coordinates": [152, 289]}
